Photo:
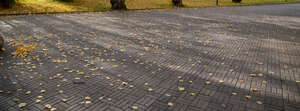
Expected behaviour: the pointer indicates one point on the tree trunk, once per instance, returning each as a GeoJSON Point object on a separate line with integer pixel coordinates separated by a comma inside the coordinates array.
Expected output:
{"type": "Point", "coordinates": [118, 4]}
{"type": "Point", "coordinates": [1, 42]}
{"type": "Point", "coordinates": [237, 1]}
{"type": "Point", "coordinates": [7, 3]}
{"type": "Point", "coordinates": [177, 3]}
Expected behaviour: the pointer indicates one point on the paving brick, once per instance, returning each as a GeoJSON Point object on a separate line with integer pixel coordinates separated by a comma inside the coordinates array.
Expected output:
{"type": "Point", "coordinates": [113, 59]}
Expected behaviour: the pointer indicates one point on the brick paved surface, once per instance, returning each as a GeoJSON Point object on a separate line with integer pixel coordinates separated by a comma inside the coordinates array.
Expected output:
{"type": "Point", "coordinates": [236, 58]}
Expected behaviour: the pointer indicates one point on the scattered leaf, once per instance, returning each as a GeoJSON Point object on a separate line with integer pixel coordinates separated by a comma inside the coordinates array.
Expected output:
{"type": "Point", "coordinates": [253, 89]}
{"type": "Point", "coordinates": [64, 100]}
{"type": "Point", "coordinates": [168, 95]}
{"type": "Point", "coordinates": [248, 97]}
{"type": "Point", "coordinates": [101, 98]}
{"type": "Point", "coordinates": [207, 82]}
{"type": "Point", "coordinates": [43, 91]}
{"type": "Point", "coordinates": [28, 92]}
{"type": "Point", "coordinates": [223, 105]}
{"type": "Point", "coordinates": [38, 101]}
{"type": "Point", "coordinates": [88, 102]}
{"type": "Point", "coordinates": [134, 107]}
{"type": "Point", "coordinates": [48, 106]}
{"type": "Point", "coordinates": [259, 102]}
{"type": "Point", "coordinates": [260, 74]}
{"type": "Point", "coordinates": [234, 93]}
{"type": "Point", "coordinates": [16, 99]}
{"type": "Point", "coordinates": [181, 88]}
{"type": "Point", "coordinates": [53, 109]}
{"type": "Point", "coordinates": [252, 75]}
{"type": "Point", "coordinates": [170, 104]}
{"type": "Point", "coordinates": [21, 105]}
{"type": "Point", "coordinates": [146, 84]}
{"type": "Point", "coordinates": [193, 94]}
{"type": "Point", "coordinates": [150, 89]}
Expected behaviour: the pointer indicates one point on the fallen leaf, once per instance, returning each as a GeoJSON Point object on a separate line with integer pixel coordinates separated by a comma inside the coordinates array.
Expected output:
{"type": "Point", "coordinates": [64, 100]}
{"type": "Point", "coordinates": [43, 91]}
{"type": "Point", "coordinates": [21, 105]}
{"type": "Point", "coordinates": [259, 102]}
{"type": "Point", "coordinates": [253, 89]}
{"type": "Point", "coordinates": [134, 107]}
{"type": "Point", "coordinates": [101, 98]}
{"type": "Point", "coordinates": [234, 93]}
{"type": "Point", "coordinates": [168, 95]}
{"type": "Point", "coordinates": [146, 84]}
{"type": "Point", "coordinates": [38, 101]}
{"type": "Point", "coordinates": [260, 74]}
{"type": "Point", "coordinates": [28, 92]}
{"type": "Point", "coordinates": [223, 105]}
{"type": "Point", "coordinates": [150, 89]}
{"type": "Point", "coordinates": [88, 102]}
{"type": "Point", "coordinates": [248, 97]}
{"type": "Point", "coordinates": [260, 63]}
{"type": "Point", "coordinates": [193, 94]}
{"type": "Point", "coordinates": [170, 104]}
{"type": "Point", "coordinates": [53, 109]}
{"type": "Point", "coordinates": [48, 106]}
{"type": "Point", "coordinates": [16, 99]}
{"type": "Point", "coordinates": [39, 97]}
{"type": "Point", "coordinates": [207, 82]}
{"type": "Point", "coordinates": [131, 86]}
{"type": "Point", "coordinates": [181, 88]}
{"type": "Point", "coordinates": [252, 75]}
{"type": "Point", "coordinates": [60, 91]}
{"type": "Point", "coordinates": [124, 83]}
{"type": "Point", "coordinates": [87, 98]}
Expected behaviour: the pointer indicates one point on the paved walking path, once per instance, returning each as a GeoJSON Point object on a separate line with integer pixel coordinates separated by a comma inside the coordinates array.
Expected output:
{"type": "Point", "coordinates": [210, 59]}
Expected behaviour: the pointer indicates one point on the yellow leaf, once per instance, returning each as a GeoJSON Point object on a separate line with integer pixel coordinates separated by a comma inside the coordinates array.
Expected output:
{"type": "Point", "coordinates": [170, 104]}
{"type": "Point", "coordinates": [181, 88]}
{"type": "Point", "coordinates": [21, 105]}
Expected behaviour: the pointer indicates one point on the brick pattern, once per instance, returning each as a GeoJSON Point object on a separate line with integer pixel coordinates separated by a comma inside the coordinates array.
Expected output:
{"type": "Point", "coordinates": [138, 61]}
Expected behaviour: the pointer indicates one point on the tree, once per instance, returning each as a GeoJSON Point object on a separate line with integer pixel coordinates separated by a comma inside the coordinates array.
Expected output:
{"type": "Point", "coordinates": [7, 3]}
{"type": "Point", "coordinates": [1, 42]}
{"type": "Point", "coordinates": [236, 1]}
{"type": "Point", "coordinates": [118, 4]}
{"type": "Point", "coordinates": [177, 3]}
{"type": "Point", "coordinates": [66, 0]}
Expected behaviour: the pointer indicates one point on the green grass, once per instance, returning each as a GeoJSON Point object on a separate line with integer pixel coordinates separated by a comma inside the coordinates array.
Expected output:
{"type": "Point", "coordinates": [104, 5]}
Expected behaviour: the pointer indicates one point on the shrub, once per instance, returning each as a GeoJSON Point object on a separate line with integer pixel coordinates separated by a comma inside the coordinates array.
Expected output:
{"type": "Point", "coordinates": [7, 3]}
